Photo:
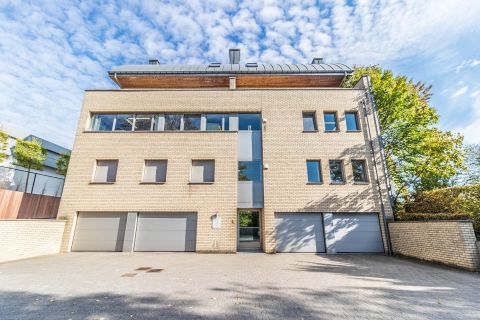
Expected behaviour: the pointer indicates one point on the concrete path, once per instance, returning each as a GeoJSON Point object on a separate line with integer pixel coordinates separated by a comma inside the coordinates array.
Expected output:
{"type": "Point", "coordinates": [241, 286]}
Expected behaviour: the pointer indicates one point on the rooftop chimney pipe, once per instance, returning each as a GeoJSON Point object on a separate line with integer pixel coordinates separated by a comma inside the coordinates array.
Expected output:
{"type": "Point", "coordinates": [317, 61]}
{"type": "Point", "coordinates": [234, 55]}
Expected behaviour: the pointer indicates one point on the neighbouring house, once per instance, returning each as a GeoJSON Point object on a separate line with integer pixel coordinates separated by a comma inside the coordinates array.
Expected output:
{"type": "Point", "coordinates": [228, 157]}
{"type": "Point", "coordinates": [46, 181]}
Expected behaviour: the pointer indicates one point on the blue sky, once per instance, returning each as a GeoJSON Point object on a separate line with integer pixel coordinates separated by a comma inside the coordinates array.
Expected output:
{"type": "Point", "coordinates": [50, 51]}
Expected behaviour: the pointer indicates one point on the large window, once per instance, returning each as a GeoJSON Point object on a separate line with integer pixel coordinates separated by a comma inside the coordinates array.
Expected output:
{"type": "Point", "coordinates": [249, 171]}
{"type": "Point", "coordinates": [351, 118]}
{"type": "Point", "coordinates": [155, 171]}
{"type": "Point", "coordinates": [172, 122]}
{"type": "Point", "coordinates": [314, 172]}
{"type": "Point", "coordinates": [336, 171]}
{"type": "Point", "coordinates": [217, 122]}
{"type": "Point", "coordinates": [105, 171]}
{"type": "Point", "coordinates": [359, 169]}
{"type": "Point", "coordinates": [144, 122]}
{"type": "Point", "coordinates": [249, 121]}
{"type": "Point", "coordinates": [309, 121]}
{"type": "Point", "coordinates": [191, 122]}
{"type": "Point", "coordinates": [330, 119]}
{"type": "Point", "coordinates": [203, 171]}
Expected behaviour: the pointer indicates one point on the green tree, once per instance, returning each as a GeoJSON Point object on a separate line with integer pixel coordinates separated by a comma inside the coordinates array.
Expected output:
{"type": "Point", "coordinates": [471, 173]}
{"type": "Point", "coordinates": [62, 163]}
{"type": "Point", "coordinates": [3, 145]}
{"type": "Point", "coordinates": [30, 155]}
{"type": "Point", "coordinates": [419, 156]}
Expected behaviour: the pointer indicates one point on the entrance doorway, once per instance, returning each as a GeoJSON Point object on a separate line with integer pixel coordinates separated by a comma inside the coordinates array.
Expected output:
{"type": "Point", "coordinates": [249, 230]}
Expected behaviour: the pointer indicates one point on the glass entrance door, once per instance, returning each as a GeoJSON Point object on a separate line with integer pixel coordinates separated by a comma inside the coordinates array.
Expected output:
{"type": "Point", "coordinates": [249, 229]}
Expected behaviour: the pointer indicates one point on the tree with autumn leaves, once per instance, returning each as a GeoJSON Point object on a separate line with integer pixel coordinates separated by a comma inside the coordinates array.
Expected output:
{"type": "Point", "coordinates": [419, 156]}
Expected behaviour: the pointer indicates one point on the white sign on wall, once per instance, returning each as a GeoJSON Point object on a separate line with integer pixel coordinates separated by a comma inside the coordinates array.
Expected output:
{"type": "Point", "coordinates": [216, 222]}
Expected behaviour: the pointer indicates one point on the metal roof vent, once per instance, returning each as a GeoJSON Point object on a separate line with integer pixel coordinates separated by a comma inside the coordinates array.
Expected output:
{"type": "Point", "coordinates": [234, 55]}
{"type": "Point", "coordinates": [317, 61]}
{"type": "Point", "coordinates": [153, 61]}
{"type": "Point", "coordinates": [214, 65]}
{"type": "Point", "coordinates": [251, 65]}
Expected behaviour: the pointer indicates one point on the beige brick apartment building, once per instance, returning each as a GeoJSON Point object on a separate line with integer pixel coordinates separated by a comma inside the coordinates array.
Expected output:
{"type": "Point", "coordinates": [227, 157]}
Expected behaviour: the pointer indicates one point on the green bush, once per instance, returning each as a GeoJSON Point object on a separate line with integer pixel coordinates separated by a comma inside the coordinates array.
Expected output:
{"type": "Point", "coordinates": [445, 204]}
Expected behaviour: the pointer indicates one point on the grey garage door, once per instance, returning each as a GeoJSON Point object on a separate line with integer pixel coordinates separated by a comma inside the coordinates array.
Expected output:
{"type": "Point", "coordinates": [352, 232]}
{"type": "Point", "coordinates": [166, 232]}
{"type": "Point", "coordinates": [99, 231]}
{"type": "Point", "coordinates": [299, 232]}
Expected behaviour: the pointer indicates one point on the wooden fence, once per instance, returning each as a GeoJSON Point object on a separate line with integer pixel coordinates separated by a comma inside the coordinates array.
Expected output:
{"type": "Point", "coordinates": [20, 205]}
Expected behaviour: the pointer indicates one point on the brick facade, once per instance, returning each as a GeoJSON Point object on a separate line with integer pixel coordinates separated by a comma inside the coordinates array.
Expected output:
{"type": "Point", "coordinates": [448, 242]}
{"type": "Point", "coordinates": [285, 149]}
{"type": "Point", "coordinates": [29, 238]}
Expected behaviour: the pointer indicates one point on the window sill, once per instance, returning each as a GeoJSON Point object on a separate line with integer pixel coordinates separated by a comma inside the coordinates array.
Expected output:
{"type": "Point", "coordinates": [337, 183]}
{"type": "Point", "coordinates": [96, 182]}
{"type": "Point", "coordinates": [200, 182]}
{"type": "Point", "coordinates": [354, 131]}
{"type": "Point", "coordinates": [329, 131]}
{"type": "Point", "coordinates": [309, 131]}
{"type": "Point", "coordinates": [361, 182]}
{"type": "Point", "coordinates": [144, 182]}
{"type": "Point", "coordinates": [314, 183]}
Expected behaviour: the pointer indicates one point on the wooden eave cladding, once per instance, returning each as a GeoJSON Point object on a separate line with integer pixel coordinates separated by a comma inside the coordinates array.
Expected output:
{"type": "Point", "coordinates": [242, 81]}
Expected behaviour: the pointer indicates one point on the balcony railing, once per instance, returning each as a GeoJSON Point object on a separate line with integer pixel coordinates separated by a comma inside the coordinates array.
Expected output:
{"type": "Point", "coordinates": [15, 179]}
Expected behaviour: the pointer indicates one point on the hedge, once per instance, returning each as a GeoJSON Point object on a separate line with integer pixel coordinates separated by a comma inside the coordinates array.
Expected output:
{"type": "Point", "coordinates": [445, 204]}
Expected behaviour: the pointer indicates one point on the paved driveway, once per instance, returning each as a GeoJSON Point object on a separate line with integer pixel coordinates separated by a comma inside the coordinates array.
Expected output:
{"type": "Point", "coordinates": [246, 285]}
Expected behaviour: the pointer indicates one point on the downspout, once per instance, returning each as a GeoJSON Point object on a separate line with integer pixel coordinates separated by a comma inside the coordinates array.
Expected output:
{"type": "Point", "coordinates": [116, 80]}
{"type": "Point", "coordinates": [375, 166]}
{"type": "Point", "coordinates": [380, 139]}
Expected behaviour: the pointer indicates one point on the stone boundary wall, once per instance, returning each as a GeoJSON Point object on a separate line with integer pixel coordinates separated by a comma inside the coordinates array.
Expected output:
{"type": "Point", "coordinates": [449, 242]}
{"type": "Point", "coordinates": [22, 239]}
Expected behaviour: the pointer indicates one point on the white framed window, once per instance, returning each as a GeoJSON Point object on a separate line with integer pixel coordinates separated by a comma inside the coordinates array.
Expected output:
{"type": "Point", "coordinates": [203, 171]}
{"type": "Point", "coordinates": [155, 171]}
{"type": "Point", "coordinates": [105, 171]}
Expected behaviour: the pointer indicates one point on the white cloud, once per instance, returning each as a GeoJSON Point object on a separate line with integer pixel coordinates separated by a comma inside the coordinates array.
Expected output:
{"type": "Point", "coordinates": [460, 92]}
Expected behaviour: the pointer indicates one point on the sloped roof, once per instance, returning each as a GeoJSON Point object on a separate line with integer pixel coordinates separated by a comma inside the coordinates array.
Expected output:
{"type": "Point", "coordinates": [159, 69]}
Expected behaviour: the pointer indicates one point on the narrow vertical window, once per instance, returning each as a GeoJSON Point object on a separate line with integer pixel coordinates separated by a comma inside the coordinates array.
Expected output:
{"type": "Point", "coordinates": [155, 171]}
{"type": "Point", "coordinates": [351, 118]}
{"type": "Point", "coordinates": [105, 171]}
{"type": "Point", "coordinates": [330, 119]}
{"type": "Point", "coordinates": [203, 171]}
{"type": "Point", "coordinates": [309, 121]}
{"type": "Point", "coordinates": [336, 171]}
{"type": "Point", "coordinates": [314, 172]}
{"type": "Point", "coordinates": [359, 169]}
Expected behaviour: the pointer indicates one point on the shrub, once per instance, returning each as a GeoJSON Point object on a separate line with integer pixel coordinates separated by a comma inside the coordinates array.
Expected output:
{"type": "Point", "coordinates": [445, 204]}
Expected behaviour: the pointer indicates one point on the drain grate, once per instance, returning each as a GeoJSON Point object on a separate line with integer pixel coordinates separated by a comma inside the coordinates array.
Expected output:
{"type": "Point", "coordinates": [128, 275]}
{"type": "Point", "coordinates": [143, 269]}
{"type": "Point", "coordinates": [155, 270]}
